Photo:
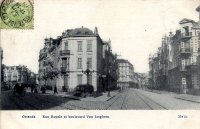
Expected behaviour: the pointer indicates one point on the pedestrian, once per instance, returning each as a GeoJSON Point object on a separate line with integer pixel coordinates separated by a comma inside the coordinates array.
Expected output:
{"type": "Point", "coordinates": [35, 91]}
{"type": "Point", "coordinates": [55, 90]}
{"type": "Point", "coordinates": [43, 89]}
{"type": "Point", "coordinates": [32, 88]}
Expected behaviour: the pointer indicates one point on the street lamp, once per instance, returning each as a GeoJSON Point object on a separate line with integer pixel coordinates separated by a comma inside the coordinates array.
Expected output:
{"type": "Point", "coordinates": [88, 72]}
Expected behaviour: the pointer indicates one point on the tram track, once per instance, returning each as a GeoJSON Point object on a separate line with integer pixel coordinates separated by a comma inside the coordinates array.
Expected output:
{"type": "Point", "coordinates": [121, 96]}
{"type": "Point", "coordinates": [147, 101]}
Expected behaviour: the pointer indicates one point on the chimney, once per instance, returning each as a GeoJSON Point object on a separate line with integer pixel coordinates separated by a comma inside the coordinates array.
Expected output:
{"type": "Point", "coordinates": [96, 31]}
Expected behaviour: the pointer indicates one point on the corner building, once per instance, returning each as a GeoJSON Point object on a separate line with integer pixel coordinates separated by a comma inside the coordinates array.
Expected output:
{"type": "Point", "coordinates": [75, 51]}
{"type": "Point", "coordinates": [183, 75]}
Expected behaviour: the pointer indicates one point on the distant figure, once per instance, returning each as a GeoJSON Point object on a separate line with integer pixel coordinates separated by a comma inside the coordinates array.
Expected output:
{"type": "Point", "coordinates": [35, 91]}
{"type": "Point", "coordinates": [43, 89]}
{"type": "Point", "coordinates": [55, 90]}
{"type": "Point", "coordinates": [32, 88]}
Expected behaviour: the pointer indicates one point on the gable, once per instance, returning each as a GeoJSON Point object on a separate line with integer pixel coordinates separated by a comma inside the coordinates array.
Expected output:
{"type": "Point", "coordinates": [185, 20]}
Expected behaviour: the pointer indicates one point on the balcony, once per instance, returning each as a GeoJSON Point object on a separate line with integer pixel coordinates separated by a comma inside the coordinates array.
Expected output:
{"type": "Point", "coordinates": [186, 35]}
{"type": "Point", "coordinates": [193, 67]}
{"type": "Point", "coordinates": [185, 51]}
{"type": "Point", "coordinates": [51, 49]}
{"type": "Point", "coordinates": [183, 69]}
{"type": "Point", "coordinates": [64, 69]}
{"type": "Point", "coordinates": [64, 52]}
{"type": "Point", "coordinates": [42, 56]}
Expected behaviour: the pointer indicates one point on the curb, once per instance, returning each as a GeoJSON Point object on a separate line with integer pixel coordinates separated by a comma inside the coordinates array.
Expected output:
{"type": "Point", "coordinates": [71, 97]}
{"type": "Point", "coordinates": [111, 97]}
{"type": "Point", "coordinates": [187, 100]}
{"type": "Point", "coordinates": [102, 101]}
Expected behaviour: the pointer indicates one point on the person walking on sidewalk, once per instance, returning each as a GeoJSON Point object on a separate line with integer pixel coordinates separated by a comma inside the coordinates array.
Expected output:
{"type": "Point", "coordinates": [55, 90]}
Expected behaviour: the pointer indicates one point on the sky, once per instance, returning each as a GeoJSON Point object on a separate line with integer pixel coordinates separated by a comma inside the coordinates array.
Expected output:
{"type": "Point", "coordinates": [135, 27]}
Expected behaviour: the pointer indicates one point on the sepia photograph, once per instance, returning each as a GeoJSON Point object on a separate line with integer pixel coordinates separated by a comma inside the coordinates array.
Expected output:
{"type": "Point", "coordinates": [100, 55]}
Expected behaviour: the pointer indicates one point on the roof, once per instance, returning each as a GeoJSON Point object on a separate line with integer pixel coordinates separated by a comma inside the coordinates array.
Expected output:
{"type": "Point", "coordinates": [123, 61]}
{"type": "Point", "coordinates": [185, 20]}
{"type": "Point", "coordinates": [198, 8]}
{"type": "Point", "coordinates": [196, 25]}
{"type": "Point", "coordinates": [80, 32]}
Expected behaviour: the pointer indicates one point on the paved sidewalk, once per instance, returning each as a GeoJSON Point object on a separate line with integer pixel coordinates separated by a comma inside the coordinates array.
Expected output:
{"type": "Point", "coordinates": [104, 97]}
{"type": "Point", "coordinates": [185, 97]}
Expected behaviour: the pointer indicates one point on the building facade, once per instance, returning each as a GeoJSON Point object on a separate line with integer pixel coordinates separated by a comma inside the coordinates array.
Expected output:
{"type": "Point", "coordinates": [184, 57]}
{"type": "Point", "coordinates": [17, 74]}
{"type": "Point", "coordinates": [63, 61]}
{"type": "Point", "coordinates": [110, 68]}
{"type": "Point", "coordinates": [177, 62]}
{"type": "Point", "coordinates": [158, 65]}
{"type": "Point", "coordinates": [126, 74]}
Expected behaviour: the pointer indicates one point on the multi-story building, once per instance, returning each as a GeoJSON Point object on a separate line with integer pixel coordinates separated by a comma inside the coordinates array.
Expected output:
{"type": "Point", "coordinates": [178, 62]}
{"type": "Point", "coordinates": [198, 65]}
{"type": "Point", "coordinates": [143, 80]}
{"type": "Point", "coordinates": [198, 58]}
{"type": "Point", "coordinates": [183, 76]}
{"type": "Point", "coordinates": [162, 77]}
{"type": "Point", "coordinates": [126, 74]}
{"type": "Point", "coordinates": [16, 74]}
{"type": "Point", "coordinates": [63, 61]}
{"type": "Point", "coordinates": [158, 65]}
{"type": "Point", "coordinates": [154, 70]}
{"type": "Point", "coordinates": [110, 68]}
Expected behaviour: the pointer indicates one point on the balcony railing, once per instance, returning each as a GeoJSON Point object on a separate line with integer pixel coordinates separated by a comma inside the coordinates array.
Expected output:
{"type": "Point", "coordinates": [64, 69]}
{"type": "Point", "coordinates": [64, 52]}
{"type": "Point", "coordinates": [186, 35]}
{"type": "Point", "coordinates": [182, 68]}
{"type": "Point", "coordinates": [185, 51]}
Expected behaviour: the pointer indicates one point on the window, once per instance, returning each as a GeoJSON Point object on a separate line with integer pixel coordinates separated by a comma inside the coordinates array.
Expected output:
{"type": "Point", "coordinates": [199, 36]}
{"type": "Point", "coordinates": [79, 79]}
{"type": "Point", "coordinates": [182, 44]}
{"type": "Point", "coordinates": [80, 46]}
{"type": "Point", "coordinates": [89, 45]}
{"type": "Point", "coordinates": [89, 61]}
{"type": "Point", "coordinates": [65, 62]}
{"type": "Point", "coordinates": [79, 63]}
{"type": "Point", "coordinates": [66, 46]}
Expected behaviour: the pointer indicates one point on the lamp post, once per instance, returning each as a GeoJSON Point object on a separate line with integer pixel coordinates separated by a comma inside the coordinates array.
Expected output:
{"type": "Point", "coordinates": [88, 72]}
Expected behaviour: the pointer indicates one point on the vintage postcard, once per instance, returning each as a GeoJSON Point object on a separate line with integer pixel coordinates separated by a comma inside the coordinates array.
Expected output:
{"type": "Point", "coordinates": [100, 63]}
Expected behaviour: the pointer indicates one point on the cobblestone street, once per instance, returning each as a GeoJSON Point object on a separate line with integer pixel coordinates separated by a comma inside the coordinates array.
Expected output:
{"type": "Point", "coordinates": [130, 99]}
